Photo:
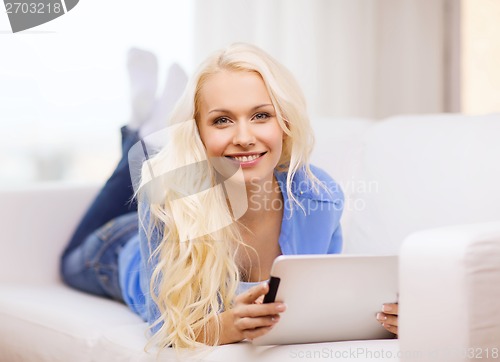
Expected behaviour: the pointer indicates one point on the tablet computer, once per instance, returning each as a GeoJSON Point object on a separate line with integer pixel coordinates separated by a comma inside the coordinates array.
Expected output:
{"type": "Point", "coordinates": [330, 297]}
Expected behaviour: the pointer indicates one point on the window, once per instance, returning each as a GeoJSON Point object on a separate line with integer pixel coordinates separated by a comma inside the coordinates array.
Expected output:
{"type": "Point", "coordinates": [480, 56]}
{"type": "Point", "coordinates": [64, 87]}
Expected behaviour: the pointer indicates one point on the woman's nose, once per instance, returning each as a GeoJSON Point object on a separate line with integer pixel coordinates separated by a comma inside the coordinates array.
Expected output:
{"type": "Point", "coordinates": [243, 135]}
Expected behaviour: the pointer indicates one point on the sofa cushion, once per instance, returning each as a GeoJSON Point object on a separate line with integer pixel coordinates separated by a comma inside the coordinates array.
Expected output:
{"type": "Point", "coordinates": [420, 172]}
{"type": "Point", "coordinates": [55, 323]}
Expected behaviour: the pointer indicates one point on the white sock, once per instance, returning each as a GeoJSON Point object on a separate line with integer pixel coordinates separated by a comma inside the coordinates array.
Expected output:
{"type": "Point", "coordinates": [174, 86]}
{"type": "Point", "coordinates": [142, 68]}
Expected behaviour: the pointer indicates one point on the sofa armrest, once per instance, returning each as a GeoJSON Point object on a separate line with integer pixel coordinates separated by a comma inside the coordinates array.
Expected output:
{"type": "Point", "coordinates": [450, 294]}
{"type": "Point", "coordinates": [36, 222]}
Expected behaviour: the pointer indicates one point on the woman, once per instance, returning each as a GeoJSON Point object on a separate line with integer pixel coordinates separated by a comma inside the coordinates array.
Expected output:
{"type": "Point", "coordinates": [194, 269]}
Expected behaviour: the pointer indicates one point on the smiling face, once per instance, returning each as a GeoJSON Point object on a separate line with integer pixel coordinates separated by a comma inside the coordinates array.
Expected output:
{"type": "Point", "coordinates": [237, 121]}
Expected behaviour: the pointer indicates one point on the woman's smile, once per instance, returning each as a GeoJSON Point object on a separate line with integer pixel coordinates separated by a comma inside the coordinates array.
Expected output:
{"type": "Point", "coordinates": [247, 159]}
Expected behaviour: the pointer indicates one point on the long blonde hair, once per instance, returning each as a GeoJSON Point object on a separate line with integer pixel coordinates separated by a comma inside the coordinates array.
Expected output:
{"type": "Point", "coordinates": [196, 275]}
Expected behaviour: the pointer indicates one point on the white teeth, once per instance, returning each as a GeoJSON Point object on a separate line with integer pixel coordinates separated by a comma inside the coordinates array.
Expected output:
{"type": "Point", "coordinates": [246, 159]}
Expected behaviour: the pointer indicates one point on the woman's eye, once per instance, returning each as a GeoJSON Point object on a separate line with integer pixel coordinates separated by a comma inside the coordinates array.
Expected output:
{"type": "Point", "coordinates": [221, 121]}
{"type": "Point", "coordinates": [261, 116]}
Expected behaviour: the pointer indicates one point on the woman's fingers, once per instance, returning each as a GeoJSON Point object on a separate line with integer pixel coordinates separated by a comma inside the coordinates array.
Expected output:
{"type": "Point", "coordinates": [390, 308]}
{"type": "Point", "coordinates": [258, 310]}
{"type": "Point", "coordinates": [389, 317]}
{"type": "Point", "coordinates": [390, 328]}
{"type": "Point", "coordinates": [256, 327]}
{"type": "Point", "coordinates": [252, 294]}
{"type": "Point", "coordinates": [389, 322]}
{"type": "Point", "coordinates": [254, 333]}
{"type": "Point", "coordinates": [251, 317]}
{"type": "Point", "coordinates": [246, 324]}
{"type": "Point", "coordinates": [260, 300]}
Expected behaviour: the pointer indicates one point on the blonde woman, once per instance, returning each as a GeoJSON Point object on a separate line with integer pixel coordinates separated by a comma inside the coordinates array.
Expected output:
{"type": "Point", "coordinates": [230, 191]}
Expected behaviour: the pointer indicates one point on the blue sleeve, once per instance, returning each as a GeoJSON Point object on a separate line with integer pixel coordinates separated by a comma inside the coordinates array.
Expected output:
{"type": "Point", "coordinates": [337, 198]}
{"type": "Point", "coordinates": [336, 242]}
{"type": "Point", "coordinates": [148, 263]}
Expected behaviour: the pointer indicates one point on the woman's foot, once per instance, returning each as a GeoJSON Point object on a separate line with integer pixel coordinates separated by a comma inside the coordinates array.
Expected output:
{"type": "Point", "coordinates": [172, 91]}
{"type": "Point", "coordinates": [142, 67]}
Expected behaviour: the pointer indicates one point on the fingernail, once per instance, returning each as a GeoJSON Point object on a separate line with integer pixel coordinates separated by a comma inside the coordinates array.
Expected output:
{"type": "Point", "coordinates": [386, 308]}
{"type": "Point", "coordinates": [381, 317]}
{"type": "Point", "coordinates": [280, 307]}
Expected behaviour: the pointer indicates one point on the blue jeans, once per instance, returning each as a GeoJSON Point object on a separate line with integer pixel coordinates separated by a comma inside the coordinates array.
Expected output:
{"type": "Point", "coordinates": [90, 260]}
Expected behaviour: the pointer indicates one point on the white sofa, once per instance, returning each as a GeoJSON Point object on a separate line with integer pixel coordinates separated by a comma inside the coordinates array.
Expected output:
{"type": "Point", "coordinates": [426, 187]}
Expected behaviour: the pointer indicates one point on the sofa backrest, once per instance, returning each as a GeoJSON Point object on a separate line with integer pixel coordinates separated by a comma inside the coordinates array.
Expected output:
{"type": "Point", "coordinates": [409, 173]}
{"type": "Point", "coordinates": [36, 223]}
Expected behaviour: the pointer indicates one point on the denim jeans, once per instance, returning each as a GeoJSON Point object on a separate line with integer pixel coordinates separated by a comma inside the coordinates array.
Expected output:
{"type": "Point", "coordinates": [90, 260]}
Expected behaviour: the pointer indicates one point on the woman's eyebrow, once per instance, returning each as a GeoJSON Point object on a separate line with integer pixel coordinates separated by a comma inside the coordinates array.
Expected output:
{"type": "Point", "coordinates": [252, 110]}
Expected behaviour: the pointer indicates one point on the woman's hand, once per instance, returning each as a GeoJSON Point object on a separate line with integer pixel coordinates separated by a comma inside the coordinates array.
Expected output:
{"type": "Point", "coordinates": [389, 317]}
{"type": "Point", "coordinates": [250, 318]}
